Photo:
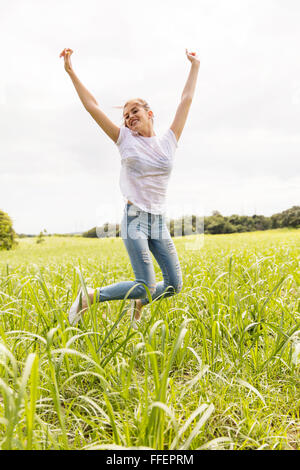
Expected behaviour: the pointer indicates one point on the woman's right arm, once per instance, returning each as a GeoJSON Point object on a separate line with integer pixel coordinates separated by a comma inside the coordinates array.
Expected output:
{"type": "Point", "coordinates": [88, 101]}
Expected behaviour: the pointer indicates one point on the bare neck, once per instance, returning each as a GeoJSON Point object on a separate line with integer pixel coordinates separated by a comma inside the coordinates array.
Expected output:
{"type": "Point", "coordinates": [149, 132]}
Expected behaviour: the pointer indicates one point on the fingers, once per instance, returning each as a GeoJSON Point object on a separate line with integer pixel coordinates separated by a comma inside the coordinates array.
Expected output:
{"type": "Point", "coordinates": [192, 57]}
{"type": "Point", "coordinates": [66, 52]}
{"type": "Point", "coordinates": [190, 53]}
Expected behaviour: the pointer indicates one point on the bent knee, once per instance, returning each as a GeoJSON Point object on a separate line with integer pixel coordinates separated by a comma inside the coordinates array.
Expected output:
{"type": "Point", "coordinates": [142, 290]}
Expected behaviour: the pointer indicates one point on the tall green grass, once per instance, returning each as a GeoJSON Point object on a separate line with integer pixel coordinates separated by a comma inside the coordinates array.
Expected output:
{"type": "Point", "coordinates": [214, 367]}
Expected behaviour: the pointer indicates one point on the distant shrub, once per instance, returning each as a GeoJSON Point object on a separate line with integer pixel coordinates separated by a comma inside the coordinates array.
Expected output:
{"type": "Point", "coordinates": [7, 233]}
{"type": "Point", "coordinates": [41, 236]}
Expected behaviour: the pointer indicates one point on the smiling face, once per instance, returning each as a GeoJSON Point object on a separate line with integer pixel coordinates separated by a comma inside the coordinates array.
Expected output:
{"type": "Point", "coordinates": [137, 117]}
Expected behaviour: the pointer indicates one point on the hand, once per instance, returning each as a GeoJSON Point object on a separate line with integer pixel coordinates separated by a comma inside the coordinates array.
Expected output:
{"type": "Point", "coordinates": [66, 54]}
{"type": "Point", "coordinates": [192, 56]}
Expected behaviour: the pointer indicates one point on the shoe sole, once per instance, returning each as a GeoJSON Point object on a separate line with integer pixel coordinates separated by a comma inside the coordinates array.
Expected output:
{"type": "Point", "coordinates": [75, 312]}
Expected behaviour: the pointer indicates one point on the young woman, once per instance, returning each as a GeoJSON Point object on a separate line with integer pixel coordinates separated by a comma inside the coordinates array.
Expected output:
{"type": "Point", "coordinates": [146, 164]}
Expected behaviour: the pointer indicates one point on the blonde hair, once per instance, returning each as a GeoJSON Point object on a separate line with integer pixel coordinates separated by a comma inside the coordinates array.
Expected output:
{"type": "Point", "coordinates": [140, 102]}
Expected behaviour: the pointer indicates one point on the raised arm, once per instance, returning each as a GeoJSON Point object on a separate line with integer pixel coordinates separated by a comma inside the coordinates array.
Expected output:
{"type": "Point", "coordinates": [187, 96]}
{"type": "Point", "coordinates": [88, 101]}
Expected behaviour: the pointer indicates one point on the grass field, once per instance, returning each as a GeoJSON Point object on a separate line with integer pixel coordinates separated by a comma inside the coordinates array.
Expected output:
{"type": "Point", "coordinates": [215, 367]}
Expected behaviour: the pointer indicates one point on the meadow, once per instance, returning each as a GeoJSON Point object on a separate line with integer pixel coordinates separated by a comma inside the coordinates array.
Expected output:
{"type": "Point", "coordinates": [214, 367]}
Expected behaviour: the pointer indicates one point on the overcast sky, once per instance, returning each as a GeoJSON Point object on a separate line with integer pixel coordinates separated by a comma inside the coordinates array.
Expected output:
{"type": "Point", "coordinates": [239, 151]}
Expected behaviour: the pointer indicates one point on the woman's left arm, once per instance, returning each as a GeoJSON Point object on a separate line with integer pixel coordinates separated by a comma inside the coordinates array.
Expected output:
{"type": "Point", "coordinates": [187, 95]}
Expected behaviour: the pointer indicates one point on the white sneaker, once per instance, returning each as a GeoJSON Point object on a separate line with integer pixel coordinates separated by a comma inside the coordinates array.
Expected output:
{"type": "Point", "coordinates": [76, 310]}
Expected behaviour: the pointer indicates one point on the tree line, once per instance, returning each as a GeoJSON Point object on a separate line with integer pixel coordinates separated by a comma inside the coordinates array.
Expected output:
{"type": "Point", "coordinates": [213, 224]}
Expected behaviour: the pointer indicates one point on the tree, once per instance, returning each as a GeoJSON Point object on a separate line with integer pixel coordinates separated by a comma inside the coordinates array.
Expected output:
{"type": "Point", "coordinates": [287, 218]}
{"type": "Point", "coordinates": [215, 223]}
{"type": "Point", "coordinates": [291, 217]}
{"type": "Point", "coordinates": [7, 233]}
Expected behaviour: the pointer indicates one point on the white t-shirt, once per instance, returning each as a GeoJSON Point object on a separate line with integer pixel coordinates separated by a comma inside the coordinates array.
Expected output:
{"type": "Point", "coordinates": [146, 165]}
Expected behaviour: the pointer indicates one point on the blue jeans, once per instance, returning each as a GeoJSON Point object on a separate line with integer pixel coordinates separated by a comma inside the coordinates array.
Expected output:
{"type": "Point", "coordinates": [142, 233]}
